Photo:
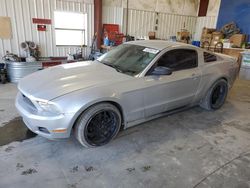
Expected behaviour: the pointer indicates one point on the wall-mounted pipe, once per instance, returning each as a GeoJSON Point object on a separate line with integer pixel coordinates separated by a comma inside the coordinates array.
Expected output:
{"type": "Point", "coordinates": [98, 21]}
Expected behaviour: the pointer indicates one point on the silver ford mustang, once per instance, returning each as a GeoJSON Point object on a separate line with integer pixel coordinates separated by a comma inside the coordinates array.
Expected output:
{"type": "Point", "coordinates": [133, 83]}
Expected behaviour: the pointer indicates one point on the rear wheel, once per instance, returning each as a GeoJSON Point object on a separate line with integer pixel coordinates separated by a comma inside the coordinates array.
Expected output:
{"type": "Point", "coordinates": [216, 95]}
{"type": "Point", "coordinates": [98, 125]}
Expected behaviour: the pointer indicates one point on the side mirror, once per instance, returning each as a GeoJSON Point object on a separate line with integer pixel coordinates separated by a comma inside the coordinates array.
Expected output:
{"type": "Point", "coordinates": [161, 71]}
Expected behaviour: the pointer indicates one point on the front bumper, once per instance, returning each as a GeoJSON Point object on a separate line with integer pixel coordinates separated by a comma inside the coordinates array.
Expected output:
{"type": "Point", "coordinates": [57, 126]}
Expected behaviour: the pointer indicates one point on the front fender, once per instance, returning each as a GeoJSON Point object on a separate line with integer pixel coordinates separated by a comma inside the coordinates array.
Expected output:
{"type": "Point", "coordinates": [77, 102]}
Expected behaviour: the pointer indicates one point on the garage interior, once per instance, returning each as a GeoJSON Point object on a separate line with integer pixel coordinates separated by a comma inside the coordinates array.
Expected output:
{"type": "Point", "coordinates": [193, 148]}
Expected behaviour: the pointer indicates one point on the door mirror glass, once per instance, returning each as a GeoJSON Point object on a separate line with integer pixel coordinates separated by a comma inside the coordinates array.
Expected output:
{"type": "Point", "coordinates": [161, 71]}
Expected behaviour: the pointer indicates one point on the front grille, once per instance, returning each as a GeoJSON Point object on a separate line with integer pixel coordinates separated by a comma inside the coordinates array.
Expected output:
{"type": "Point", "coordinates": [28, 102]}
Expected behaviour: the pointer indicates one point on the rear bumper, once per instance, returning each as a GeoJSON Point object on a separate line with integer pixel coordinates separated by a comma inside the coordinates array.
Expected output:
{"type": "Point", "coordinates": [56, 126]}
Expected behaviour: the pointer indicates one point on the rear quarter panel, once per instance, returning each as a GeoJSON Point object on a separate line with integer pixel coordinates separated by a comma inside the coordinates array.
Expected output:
{"type": "Point", "coordinates": [225, 67]}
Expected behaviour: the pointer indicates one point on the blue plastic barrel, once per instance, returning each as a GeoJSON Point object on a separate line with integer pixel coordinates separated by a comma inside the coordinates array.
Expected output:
{"type": "Point", "coordinates": [196, 43]}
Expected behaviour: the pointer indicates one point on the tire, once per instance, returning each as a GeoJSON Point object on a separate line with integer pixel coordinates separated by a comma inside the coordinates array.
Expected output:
{"type": "Point", "coordinates": [98, 125]}
{"type": "Point", "coordinates": [216, 96]}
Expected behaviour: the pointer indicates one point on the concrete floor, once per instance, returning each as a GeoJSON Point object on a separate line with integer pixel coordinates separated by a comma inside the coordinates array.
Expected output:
{"type": "Point", "coordinates": [194, 148]}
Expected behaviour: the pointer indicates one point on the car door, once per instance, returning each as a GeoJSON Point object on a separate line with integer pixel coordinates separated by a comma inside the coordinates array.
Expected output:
{"type": "Point", "coordinates": [167, 92]}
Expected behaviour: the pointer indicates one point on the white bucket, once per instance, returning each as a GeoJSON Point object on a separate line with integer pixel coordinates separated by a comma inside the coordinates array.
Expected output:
{"type": "Point", "coordinates": [245, 62]}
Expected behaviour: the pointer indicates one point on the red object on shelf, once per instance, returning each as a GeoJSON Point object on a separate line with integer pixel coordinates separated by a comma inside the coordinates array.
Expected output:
{"type": "Point", "coordinates": [58, 58]}
{"type": "Point", "coordinates": [119, 38]}
{"type": "Point", "coordinates": [112, 31]}
{"type": "Point", "coordinates": [41, 21]}
{"type": "Point", "coordinates": [59, 61]}
{"type": "Point", "coordinates": [111, 28]}
{"type": "Point", "coordinates": [41, 27]}
{"type": "Point", "coordinates": [50, 63]}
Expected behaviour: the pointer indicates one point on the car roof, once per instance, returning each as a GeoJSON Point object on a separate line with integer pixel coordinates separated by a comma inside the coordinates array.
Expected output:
{"type": "Point", "coordinates": [158, 44]}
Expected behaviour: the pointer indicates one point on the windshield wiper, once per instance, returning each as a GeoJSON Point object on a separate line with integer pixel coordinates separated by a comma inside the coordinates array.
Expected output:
{"type": "Point", "coordinates": [113, 66]}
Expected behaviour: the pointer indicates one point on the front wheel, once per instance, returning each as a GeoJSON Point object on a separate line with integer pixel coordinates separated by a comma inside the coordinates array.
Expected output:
{"type": "Point", "coordinates": [98, 125]}
{"type": "Point", "coordinates": [215, 96]}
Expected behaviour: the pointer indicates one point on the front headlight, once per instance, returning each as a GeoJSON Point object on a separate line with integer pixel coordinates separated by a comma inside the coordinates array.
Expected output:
{"type": "Point", "coordinates": [48, 107]}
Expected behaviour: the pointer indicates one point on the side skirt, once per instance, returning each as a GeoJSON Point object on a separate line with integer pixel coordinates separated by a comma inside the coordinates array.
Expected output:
{"type": "Point", "coordinates": [167, 113]}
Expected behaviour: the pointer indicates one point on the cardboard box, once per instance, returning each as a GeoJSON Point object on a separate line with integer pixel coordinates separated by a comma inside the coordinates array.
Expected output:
{"type": "Point", "coordinates": [185, 34]}
{"type": "Point", "coordinates": [217, 36]}
{"type": "Point", "coordinates": [214, 42]}
{"type": "Point", "coordinates": [208, 30]}
{"type": "Point", "coordinates": [205, 44]}
{"type": "Point", "coordinates": [209, 41]}
{"type": "Point", "coordinates": [217, 33]}
{"type": "Point", "coordinates": [237, 39]}
{"type": "Point", "coordinates": [206, 37]}
{"type": "Point", "coordinates": [151, 35]}
{"type": "Point", "coordinates": [182, 35]}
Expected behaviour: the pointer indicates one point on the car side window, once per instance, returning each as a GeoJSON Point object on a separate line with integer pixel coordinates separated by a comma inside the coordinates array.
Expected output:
{"type": "Point", "coordinates": [179, 59]}
{"type": "Point", "coordinates": [208, 57]}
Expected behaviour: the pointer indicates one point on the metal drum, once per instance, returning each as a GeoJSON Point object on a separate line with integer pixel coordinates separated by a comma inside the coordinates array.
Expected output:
{"type": "Point", "coordinates": [18, 70]}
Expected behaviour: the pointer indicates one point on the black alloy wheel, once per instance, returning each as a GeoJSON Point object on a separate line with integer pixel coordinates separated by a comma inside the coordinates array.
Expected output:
{"type": "Point", "coordinates": [101, 127]}
{"type": "Point", "coordinates": [218, 95]}
{"type": "Point", "coordinates": [215, 96]}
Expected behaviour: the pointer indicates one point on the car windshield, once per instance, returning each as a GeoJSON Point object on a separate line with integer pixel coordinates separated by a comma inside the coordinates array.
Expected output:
{"type": "Point", "coordinates": [129, 59]}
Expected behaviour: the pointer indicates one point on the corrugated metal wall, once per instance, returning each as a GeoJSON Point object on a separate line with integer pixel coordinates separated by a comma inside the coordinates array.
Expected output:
{"type": "Point", "coordinates": [22, 12]}
{"type": "Point", "coordinates": [140, 22]}
{"type": "Point", "coordinates": [113, 15]}
{"type": "Point", "coordinates": [170, 24]}
{"type": "Point", "coordinates": [208, 21]}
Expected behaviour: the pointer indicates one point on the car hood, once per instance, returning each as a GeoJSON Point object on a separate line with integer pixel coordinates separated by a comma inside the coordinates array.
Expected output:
{"type": "Point", "coordinates": [60, 80]}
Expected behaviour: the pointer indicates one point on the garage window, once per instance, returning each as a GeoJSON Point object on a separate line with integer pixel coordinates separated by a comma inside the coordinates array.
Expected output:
{"type": "Point", "coordinates": [179, 59]}
{"type": "Point", "coordinates": [70, 28]}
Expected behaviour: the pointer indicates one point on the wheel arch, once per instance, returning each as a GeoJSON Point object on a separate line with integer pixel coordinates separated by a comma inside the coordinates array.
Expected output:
{"type": "Point", "coordinates": [86, 107]}
{"type": "Point", "coordinates": [216, 80]}
{"type": "Point", "coordinates": [223, 78]}
{"type": "Point", "coordinates": [211, 85]}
